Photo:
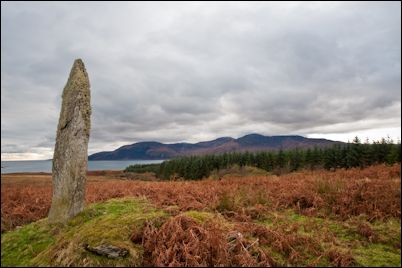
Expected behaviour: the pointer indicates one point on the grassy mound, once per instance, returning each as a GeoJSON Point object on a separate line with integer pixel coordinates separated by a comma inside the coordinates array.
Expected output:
{"type": "Point", "coordinates": [111, 222]}
{"type": "Point", "coordinates": [220, 237]}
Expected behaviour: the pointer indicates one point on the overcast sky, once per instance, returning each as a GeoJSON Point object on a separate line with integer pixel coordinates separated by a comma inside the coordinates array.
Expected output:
{"type": "Point", "coordinates": [189, 72]}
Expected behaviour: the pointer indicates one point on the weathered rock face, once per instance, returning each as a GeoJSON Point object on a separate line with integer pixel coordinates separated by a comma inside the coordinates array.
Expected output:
{"type": "Point", "coordinates": [70, 157]}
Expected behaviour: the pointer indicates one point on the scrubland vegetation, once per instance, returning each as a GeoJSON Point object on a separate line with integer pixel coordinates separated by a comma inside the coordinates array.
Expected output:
{"type": "Point", "coordinates": [243, 216]}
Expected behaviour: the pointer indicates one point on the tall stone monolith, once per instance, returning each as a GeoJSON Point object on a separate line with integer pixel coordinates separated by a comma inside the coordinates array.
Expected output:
{"type": "Point", "coordinates": [70, 157]}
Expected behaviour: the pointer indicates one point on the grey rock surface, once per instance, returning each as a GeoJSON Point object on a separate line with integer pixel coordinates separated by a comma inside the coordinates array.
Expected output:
{"type": "Point", "coordinates": [109, 251]}
{"type": "Point", "coordinates": [70, 157]}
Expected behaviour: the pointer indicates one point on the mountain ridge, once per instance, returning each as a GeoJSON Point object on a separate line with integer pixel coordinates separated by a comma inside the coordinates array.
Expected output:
{"type": "Point", "coordinates": [254, 142]}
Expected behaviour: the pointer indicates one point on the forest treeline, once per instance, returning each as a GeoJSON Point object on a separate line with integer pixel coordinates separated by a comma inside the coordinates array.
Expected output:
{"type": "Point", "coordinates": [348, 155]}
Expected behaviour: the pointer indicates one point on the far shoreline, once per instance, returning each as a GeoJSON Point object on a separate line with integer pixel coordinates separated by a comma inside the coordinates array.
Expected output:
{"type": "Point", "coordinates": [89, 172]}
{"type": "Point", "coordinates": [96, 160]}
{"type": "Point", "coordinates": [33, 166]}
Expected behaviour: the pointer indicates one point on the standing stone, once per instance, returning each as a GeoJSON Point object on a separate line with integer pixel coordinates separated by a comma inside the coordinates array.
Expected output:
{"type": "Point", "coordinates": [70, 157]}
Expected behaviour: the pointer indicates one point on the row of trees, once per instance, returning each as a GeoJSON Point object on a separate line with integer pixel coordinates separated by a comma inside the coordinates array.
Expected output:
{"type": "Point", "coordinates": [355, 154]}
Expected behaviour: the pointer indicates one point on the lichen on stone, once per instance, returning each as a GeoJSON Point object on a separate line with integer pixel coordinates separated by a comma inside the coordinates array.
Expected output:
{"type": "Point", "coordinates": [71, 150]}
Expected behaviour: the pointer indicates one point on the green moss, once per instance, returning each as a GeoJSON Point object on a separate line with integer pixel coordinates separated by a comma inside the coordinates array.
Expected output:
{"type": "Point", "coordinates": [279, 259]}
{"type": "Point", "coordinates": [286, 217]}
{"type": "Point", "coordinates": [315, 226]}
{"type": "Point", "coordinates": [111, 222]}
{"type": "Point", "coordinates": [19, 247]}
{"type": "Point", "coordinates": [200, 216]}
{"type": "Point", "coordinates": [295, 217]}
{"type": "Point", "coordinates": [386, 249]}
{"type": "Point", "coordinates": [377, 255]}
{"type": "Point", "coordinates": [343, 231]}
{"type": "Point", "coordinates": [382, 251]}
{"type": "Point", "coordinates": [388, 232]}
{"type": "Point", "coordinates": [282, 260]}
{"type": "Point", "coordinates": [203, 216]}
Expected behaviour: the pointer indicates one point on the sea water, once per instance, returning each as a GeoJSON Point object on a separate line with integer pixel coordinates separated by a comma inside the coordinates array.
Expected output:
{"type": "Point", "coordinates": [46, 165]}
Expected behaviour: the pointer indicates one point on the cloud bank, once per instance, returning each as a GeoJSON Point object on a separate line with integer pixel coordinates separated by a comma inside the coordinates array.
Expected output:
{"type": "Point", "coordinates": [195, 71]}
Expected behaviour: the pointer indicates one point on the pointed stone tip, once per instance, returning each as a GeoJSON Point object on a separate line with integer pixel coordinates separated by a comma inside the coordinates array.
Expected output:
{"type": "Point", "coordinates": [79, 63]}
{"type": "Point", "coordinates": [78, 69]}
{"type": "Point", "coordinates": [78, 74]}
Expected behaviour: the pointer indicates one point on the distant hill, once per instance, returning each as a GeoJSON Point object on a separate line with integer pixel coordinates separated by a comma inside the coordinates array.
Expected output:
{"type": "Point", "coordinates": [251, 143]}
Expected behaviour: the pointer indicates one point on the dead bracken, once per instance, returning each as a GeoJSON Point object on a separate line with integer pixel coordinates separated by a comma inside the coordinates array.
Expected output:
{"type": "Point", "coordinates": [309, 218]}
{"type": "Point", "coordinates": [350, 194]}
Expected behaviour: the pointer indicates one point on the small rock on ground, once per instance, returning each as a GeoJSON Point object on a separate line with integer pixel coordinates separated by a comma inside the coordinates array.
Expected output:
{"type": "Point", "coordinates": [109, 251]}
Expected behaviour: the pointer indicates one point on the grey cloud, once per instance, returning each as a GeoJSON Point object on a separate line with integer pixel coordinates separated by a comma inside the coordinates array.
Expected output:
{"type": "Point", "coordinates": [188, 71]}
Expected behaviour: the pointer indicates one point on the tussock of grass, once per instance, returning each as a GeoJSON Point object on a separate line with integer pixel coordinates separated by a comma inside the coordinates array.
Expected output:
{"type": "Point", "coordinates": [203, 217]}
{"type": "Point", "coordinates": [341, 241]}
{"type": "Point", "coordinates": [200, 216]}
